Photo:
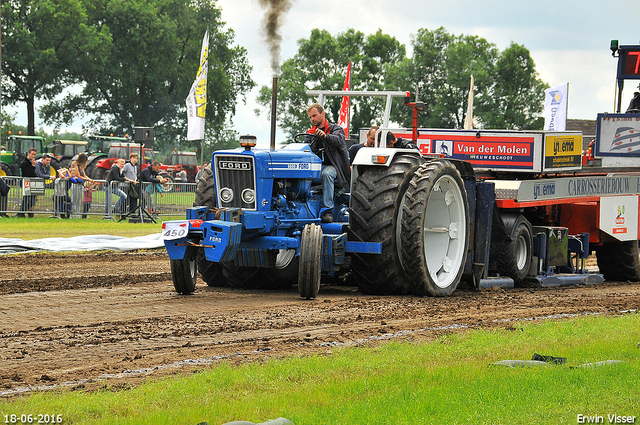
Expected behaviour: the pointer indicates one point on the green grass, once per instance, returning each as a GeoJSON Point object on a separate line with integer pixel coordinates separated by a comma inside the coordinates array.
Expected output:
{"type": "Point", "coordinates": [449, 381]}
{"type": "Point", "coordinates": [38, 228]}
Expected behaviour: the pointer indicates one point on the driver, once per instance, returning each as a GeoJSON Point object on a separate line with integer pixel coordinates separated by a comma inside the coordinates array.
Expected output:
{"type": "Point", "coordinates": [329, 144]}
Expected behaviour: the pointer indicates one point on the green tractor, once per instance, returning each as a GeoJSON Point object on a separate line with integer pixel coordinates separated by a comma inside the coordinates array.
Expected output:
{"type": "Point", "coordinates": [16, 150]}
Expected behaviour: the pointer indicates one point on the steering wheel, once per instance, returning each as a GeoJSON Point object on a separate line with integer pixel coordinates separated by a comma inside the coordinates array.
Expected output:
{"type": "Point", "coordinates": [320, 141]}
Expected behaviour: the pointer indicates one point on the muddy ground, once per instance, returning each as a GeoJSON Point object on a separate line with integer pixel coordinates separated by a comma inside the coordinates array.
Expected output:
{"type": "Point", "coordinates": [91, 320]}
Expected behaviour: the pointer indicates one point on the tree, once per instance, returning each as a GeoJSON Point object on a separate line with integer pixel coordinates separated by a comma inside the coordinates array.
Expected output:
{"type": "Point", "coordinates": [516, 100]}
{"type": "Point", "coordinates": [44, 41]}
{"type": "Point", "coordinates": [147, 71]}
{"type": "Point", "coordinates": [507, 91]}
{"type": "Point", "coordinates": [321, 64]}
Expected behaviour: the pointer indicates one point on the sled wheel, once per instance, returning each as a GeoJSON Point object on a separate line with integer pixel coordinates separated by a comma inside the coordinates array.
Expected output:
{"type": "Point", "coordinates": [310, 265]}
{"type": "Point", "coordinates": [184, 272]}
{"type": "Point", "coordinates": [619, 261]}
{"type": "Point", "coordinates": [517, 250]}
{"type": "Point", "coordinates": [435, 229]}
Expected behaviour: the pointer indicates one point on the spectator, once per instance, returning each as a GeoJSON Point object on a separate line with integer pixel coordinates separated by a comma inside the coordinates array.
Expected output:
{"type": "Point", "coordinates": [131, 172]}
{"type": "Point", "coordinates": [28, 169]}
{"type": "Point", "coordinates": [199, 173]}
{"type": "Point", "coordinates": [77, 186]}
{"type": "Point", "coordinates": [329, 144]}
{"type": "Point", "coordinates": [81, 164]}
{"type": "Point", "coordinates": [61, 198]}
{"type": "Point", "coordinates": [43, 167]}
{"type": "Point", "coordinates": [399, 143]}
{"type": "Point", "coordinates": [150, 175]}
{"type": "Point", "coordinates": [370, 142]}
{"type": "Point", "coordinates": [115, 175]}
{"type": "Point", "coordinates": [87, 196]}
{"type": "Point", "coordinates": [4, 195]}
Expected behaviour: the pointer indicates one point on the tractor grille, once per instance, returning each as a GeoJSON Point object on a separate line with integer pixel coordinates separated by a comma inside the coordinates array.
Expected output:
{"type": "Point", "coordinates": [237, 174]}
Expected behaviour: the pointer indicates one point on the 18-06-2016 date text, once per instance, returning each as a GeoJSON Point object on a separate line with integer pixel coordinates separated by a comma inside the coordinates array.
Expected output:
{"type": "Point", "coordinates": [33, 419]}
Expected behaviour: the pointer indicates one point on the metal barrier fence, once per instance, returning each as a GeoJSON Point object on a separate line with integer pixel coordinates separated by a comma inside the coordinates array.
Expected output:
{"type": "Point", "coordinates": [63, 199]}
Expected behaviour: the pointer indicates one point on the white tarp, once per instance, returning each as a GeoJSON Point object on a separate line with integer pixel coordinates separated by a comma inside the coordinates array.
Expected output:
{"type": "Point", "coordinates": [82, 243]}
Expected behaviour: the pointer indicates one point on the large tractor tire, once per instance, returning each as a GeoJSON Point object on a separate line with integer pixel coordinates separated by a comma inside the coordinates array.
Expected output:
{"type": "Point", "coordinates": [285, 273]}
{"type": "Point", "coordinates": [435, 229]}
{"type": "Point", "coordinates": [205, 190]}
{"type": "Point", "coordinates": [184, 272]}
{"type": "Point", "coordinates": [245, 277]}
{"type": "Point", "coordinates": [90, 171]}
{"type": "Point", "coordinates": [5, 170]}
{"type": "Point", "coordinates": [619, 261]}
{"type": "Point", "coordinates": [517, 250]}
{"type": "Point", "coordinates": [210, 272]}
{"type": "Point", "coordinates": [310, 267]}
{"type": "Point", "coordinates": [168, 185]}
{"type": "Point", "coordinates": [375, 215]}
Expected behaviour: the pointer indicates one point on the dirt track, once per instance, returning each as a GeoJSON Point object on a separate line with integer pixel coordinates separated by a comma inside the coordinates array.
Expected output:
{"type": "Point", "coordinates": [81, 321]}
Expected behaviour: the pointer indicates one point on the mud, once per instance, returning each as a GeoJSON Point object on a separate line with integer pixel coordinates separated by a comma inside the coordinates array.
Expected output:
{"type": "Point", "coordinates": [93, 320]}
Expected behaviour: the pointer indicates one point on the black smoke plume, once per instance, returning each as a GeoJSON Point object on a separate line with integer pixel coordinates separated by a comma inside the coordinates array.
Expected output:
{"type": "Point", "coordinates": [274, 16]}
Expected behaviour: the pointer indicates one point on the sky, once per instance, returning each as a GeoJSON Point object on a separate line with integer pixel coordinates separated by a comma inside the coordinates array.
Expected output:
{"type": "Point", "coordinates": [568, 40]}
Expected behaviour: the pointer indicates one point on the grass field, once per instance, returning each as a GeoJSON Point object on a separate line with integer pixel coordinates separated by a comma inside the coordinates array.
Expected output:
{"type": "Point", "coordinates": [448, 381]}
{"type": "Point", "coordinates": [38, 228]}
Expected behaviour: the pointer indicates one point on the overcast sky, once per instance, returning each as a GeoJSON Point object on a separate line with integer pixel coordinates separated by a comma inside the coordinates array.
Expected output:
{"type": "Point", "coordinates": [568, 40]}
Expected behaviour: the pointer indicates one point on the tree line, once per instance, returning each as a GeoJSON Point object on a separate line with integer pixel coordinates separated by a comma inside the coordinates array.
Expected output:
{"type": "Point", "coordinates": [127, 63]}
{"type": "Point", "coordinates": [508, 91]}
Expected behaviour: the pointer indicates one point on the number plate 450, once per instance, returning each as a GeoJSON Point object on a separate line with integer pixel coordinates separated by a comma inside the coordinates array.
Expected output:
{"type": "Point", "coordinates": [174, 229]}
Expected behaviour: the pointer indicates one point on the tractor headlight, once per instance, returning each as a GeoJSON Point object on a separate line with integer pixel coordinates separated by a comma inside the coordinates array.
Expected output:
{"type": "Point", "coordinates": [248, 196]}
{"type": "Point", "coordinates": [226, 195]}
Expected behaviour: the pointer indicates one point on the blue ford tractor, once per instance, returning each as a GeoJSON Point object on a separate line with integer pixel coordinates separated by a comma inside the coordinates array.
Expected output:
{"type": "Point", "coordinates": [256, 224]}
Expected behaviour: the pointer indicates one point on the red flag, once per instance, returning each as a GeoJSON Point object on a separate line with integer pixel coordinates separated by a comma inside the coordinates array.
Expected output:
{"type": "Point", "coordinates": [343, 120]}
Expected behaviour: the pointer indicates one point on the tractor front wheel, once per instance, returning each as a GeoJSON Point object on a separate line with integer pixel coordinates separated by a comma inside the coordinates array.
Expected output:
{"type": "Point", "coordinates": [184, 273]}
{"type": "Point", "coordinates": [310, 267]}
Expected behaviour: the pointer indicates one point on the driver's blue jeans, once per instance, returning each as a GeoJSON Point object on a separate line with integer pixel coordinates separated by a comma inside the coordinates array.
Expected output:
{"type": "Point", "coordinates": [328, 177]}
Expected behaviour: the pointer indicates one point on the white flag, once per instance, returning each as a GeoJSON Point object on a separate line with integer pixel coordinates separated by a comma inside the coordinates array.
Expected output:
{"type": "Point", "coordinates": [197, 99]}
{"type": "Point", "coordinates": [555, 107]}
{"type": "Point", "coordinates": [468, 121]}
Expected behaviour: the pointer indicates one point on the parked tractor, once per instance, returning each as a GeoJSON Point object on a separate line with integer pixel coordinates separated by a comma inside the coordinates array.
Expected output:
{"type": "Point", "coordinates": [15, 152]}
{"type": "Point", "coordinates": [64, 150]}
{"type": "Point", "coordinates": [98, 148]}
{"type": "Point", "coordinates": [103, 165]}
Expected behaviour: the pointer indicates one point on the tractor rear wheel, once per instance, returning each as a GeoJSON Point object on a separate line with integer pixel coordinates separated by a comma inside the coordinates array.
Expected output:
{"type": "Point", "coordinates": [619, 261]}
{"type": "Point", "coordinates": [168, 185]}
{"type": "Point", "coordinates": [90, 171]}
{"type": "Point", "coordinates": [285, 273]}
{"type": "Point", "coordinates": [184, 272]}
{"type": "Point", "coordinates": [517, 250]}
{"type": "Point", "coordinates": [375, 215]}
{"type": "Point", "coordinates": [5, 170]}
{"type": "Point", "coordinates": [210, 272]}
{"type": "Point", "coordinates": [205, 190]}
{"type": "Point", "coordinates": [245, 277]}
{"type": "Point", "coordinates": [435, 229]}
{"type": "Point", "coordinates": [310, 268]}
{"type": "Point", "coordinates": [205, 196]}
